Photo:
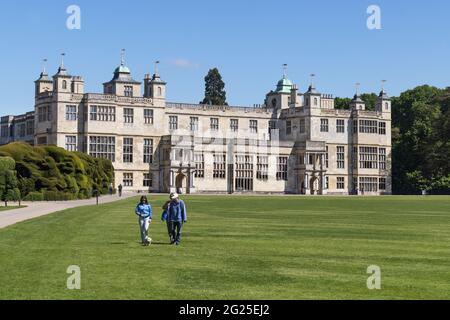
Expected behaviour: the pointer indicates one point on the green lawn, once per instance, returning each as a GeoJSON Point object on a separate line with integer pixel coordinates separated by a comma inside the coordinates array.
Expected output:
{"type": "Point", "coordinates": [236, 248]}
{"type": "Point", "coordinates": [9, 208]}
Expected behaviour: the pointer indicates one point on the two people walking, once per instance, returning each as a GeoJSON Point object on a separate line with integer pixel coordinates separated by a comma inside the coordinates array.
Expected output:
{"type": "Point", "coordinates": [175, 215]}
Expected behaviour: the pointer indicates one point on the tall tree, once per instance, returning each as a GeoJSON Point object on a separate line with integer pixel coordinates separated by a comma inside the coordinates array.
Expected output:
{"type": "Point", "coordinates": [214, 89]}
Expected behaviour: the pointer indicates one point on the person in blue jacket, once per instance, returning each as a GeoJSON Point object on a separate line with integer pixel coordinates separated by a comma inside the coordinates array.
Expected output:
{"type": "Point", "coordinates": [165, 218]}
{"type": "Point", "coordinates": [145, 214]}
{"type": "Point", "coordinates": [177, 216]}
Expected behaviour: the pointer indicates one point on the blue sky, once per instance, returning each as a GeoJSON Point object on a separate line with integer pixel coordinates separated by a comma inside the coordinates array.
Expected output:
{"type": "Point", "coordinates": [247, 40]}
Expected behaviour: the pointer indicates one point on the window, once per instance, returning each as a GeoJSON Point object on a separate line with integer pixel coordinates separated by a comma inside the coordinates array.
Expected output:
{"type": "Point", "coordinates": [71, 113]}
{"type": "Point", "coordinates": [301, 159]}
{"type": "Point", "coordinates": [127, 179]}
{"type": "Point", "coordinates": [194, 124]}
{"type": "Point", "coordinates": [219, 171]}
{"type": "Point", "coordinates": [368, 184]}
{"type": "Point", "coordinates": [64, 84]}
{"type": "Point", "coordinates": [382, 128]}
{"type": "Point", "coordinates": [30, 128]}
{"type": "Point", "coordinates": [327, 182]}
{"type": "Point", "coordinates": [128, 91]}
{"type": "Point", "coordinates": [148, 116]}
{"type": "Point", "coordinates": [71, 143]}
{"type": "Point", "coordinates": [128, 150]}
{"type": "Point", "coordinates": [173, 123]}
{"type": "Point", "coordinates": [288, 128]}
{"type": "Point", "coordinates": [234, 125]}
{"type": "Point", "coordinates": [199, 165]}
{"type": "Point", "coordinates": [102, 147]}
{"type": "Point", "coordinates": [340, 156]}
{"type": "Point", "coordinates": [22, 130]}
{"type": "Point", "coordinates": [244, 173]}
{"type": "Point", "coordinates": [302, 126]}
{"type": "Point", "coordinates": [340, 183]}
{"type": "Point", "coordinates": [148, 181]}
{"type": "Point", "coordinates": [340, 126]}
{"type": "Point", "coordinates": [272, 128]}
{"type": "Point", "coordinates": [383, 158]}
{"type": "Point", "coordinates": [262, 168]}
{"type": "Point", "coordinates": [355, 126]}
{"type": "Point", "coordinates": [44, 114]}
{"type": "Point", "coordinates": [355, 157]}
{"type": "Point", "coordinates": [282, 168]}
{"type": "Point", "coordinates": [315, 101]}
{"type": "Point", "coordinates": [368, 126]}
{"type": "Point", "coordinates": [148, 151]}
{"type": "Point", "coordinates": [327, 163]}
{"type": "Point", "coordinates": [214, 124]}
{"type": "Point", "coordinates": [382, 184]}
{"type": "Point", "coordinates": [253, 126]}
{"type": "Point", "coordinates": [386, 106]}
{"type": "Point", "coordinates": [324, 125]}
{"type": "Point", "coordinates": [128, 115]}
{"type": "Point", "coordinates": [103, 113]}
{"type": "Point", "coordinates": [42, 141]}
{"type": "Point", "coordinates": [368, 158]}
{"type": "Point", "coordinates": [5, 131]}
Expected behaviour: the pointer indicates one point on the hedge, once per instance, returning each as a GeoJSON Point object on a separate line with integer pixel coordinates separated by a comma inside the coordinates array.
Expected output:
{"type": "Point", "coordinates": [55, 173]}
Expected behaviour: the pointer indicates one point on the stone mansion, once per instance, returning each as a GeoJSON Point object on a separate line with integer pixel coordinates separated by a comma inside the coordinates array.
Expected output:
{"type": "Point", "coordinates": [295, 143]}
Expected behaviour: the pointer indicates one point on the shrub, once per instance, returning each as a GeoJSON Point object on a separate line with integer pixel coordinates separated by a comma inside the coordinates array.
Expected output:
{"type": "Point", "coordinates": [34, 196]}
{"type": "Point", "coordinates": [56, 173]}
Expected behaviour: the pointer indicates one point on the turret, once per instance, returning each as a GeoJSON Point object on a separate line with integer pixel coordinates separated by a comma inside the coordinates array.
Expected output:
{"type": "Point", "coordinates": [155, 87]}
{"type": "Point", "coordinates": [357, 103]}
{"type": "Point", "coordinates": [44, 83]}
{"type": "Point", "coordinates": [312, 96]}
{"type": "Point", "coordinates": [62, 81]}
{"type": "Point", "coordinates": [383, 104]}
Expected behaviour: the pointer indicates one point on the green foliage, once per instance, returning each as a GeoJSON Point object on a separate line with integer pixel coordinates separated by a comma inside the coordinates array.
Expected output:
{"type": "Point", "coordinates": [421, 134]}
{"type": "Point", "coordinates": [214, 89]}
{"type": "Point", "coordinates": [34, 196]}
{"type": "Point", "coordinates": [54, 173]}
{"type": "Point", "coordinates": [9, 186]}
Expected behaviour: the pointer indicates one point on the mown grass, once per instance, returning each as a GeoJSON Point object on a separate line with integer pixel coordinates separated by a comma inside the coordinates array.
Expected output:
{"type": "Point", "coordinates": [236, 248]}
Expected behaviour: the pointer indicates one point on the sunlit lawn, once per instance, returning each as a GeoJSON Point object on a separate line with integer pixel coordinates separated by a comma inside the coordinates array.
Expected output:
{"type": "Point", "coordinates": [236, 248]}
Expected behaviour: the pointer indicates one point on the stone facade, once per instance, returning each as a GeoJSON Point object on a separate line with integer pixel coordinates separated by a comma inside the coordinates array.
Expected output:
{"type": "Point", "coordinates": [293, 143]}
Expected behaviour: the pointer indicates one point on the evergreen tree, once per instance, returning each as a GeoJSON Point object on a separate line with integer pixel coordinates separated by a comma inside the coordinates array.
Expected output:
{"type": "Point", "coordinates": [214, 89]}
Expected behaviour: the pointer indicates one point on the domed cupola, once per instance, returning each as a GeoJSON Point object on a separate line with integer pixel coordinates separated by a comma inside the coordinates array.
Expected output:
{"type": "Point", "coordinates": [284, 85]}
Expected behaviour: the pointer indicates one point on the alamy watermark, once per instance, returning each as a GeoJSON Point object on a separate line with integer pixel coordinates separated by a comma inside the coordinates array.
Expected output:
{"type": "Point", "coordinates": [74, 20]}
{"type": "Point", "coordinates": [374, 281]}
{"type": "Point", "coordinates": [374, 19]}
{"type": "Point", "coordinates": [74, 280]}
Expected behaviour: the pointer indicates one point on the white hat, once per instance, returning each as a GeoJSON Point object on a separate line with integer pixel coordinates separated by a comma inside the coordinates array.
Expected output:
{"type": "Point", "coordinates": [174, 196]}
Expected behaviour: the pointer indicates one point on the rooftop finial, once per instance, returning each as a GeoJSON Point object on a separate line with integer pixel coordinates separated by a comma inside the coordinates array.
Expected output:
{"type": "Point", "coordinates": [44, 66]}
{"type": "Point", "coordinates": [313, 76]}
{"type": "Point", "coordinates": [122, 57]}
{"type": "Point", "coordinates": [156, 67]}
{"type": "Point", "coordinates": [285, 68]}
{"type": "Point", "coordinates": [62, 60]}
{"type": "Point", "coordinates": [357, 85]}
{"type": "Point", "coordinates": [383, 83]}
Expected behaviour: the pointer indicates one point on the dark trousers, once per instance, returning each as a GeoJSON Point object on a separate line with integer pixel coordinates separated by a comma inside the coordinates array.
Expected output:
{"type": "Point", "coordinates": [175, 227]}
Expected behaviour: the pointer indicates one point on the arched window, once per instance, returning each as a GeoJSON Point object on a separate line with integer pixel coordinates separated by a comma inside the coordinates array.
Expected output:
{"type": "Point", "coordinates": [386, 105]}
{"type": "Point", "coordinates": [64, 84]}
{"type": "Point", "coordinates": [159, 91]}
{"type": "Point", "coordinates": [315, 101]}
